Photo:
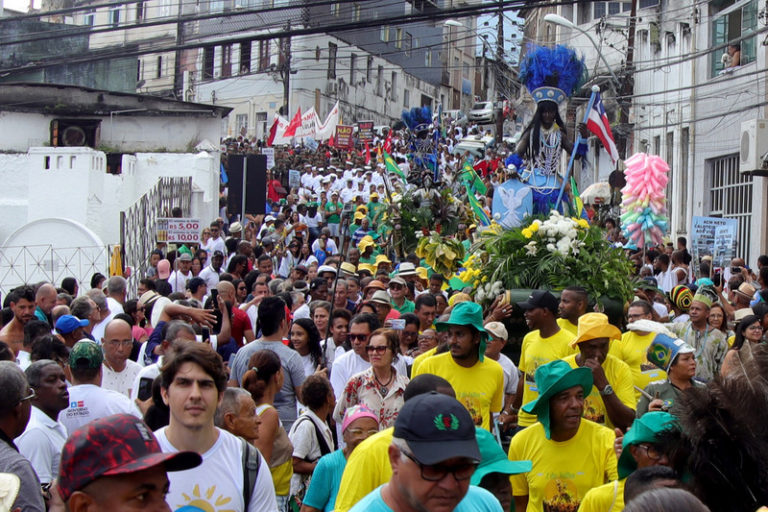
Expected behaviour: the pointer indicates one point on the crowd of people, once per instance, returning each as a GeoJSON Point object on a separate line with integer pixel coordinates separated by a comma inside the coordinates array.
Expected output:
{"type": "Point", "coordinates": [296, 361]}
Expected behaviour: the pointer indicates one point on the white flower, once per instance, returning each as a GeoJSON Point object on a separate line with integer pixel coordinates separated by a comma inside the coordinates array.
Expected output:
{"type": "Point", "coordinates": [551, 247]}
{"type": "Point", "coordinates": [564, 246]}
{"type": "Point", "coordinates": [480, 295]}
{"type": "Point", "coordinates": [531, 249]}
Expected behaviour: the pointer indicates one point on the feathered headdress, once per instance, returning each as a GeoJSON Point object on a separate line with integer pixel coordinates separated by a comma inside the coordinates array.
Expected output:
{"type": "Point", "coordinates": [552, 74]}
{"type": "Point", "coordinates": [418, 119]}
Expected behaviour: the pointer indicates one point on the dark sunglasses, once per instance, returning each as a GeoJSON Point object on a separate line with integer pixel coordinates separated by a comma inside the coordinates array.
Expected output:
{"type": "Point", "coordinates": [378, 349]}
{"type": "Point", "coordinates": [359, 337]}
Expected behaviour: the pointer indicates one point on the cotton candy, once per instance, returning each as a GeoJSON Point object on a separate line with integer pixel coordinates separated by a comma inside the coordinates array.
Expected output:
{"type": "Point", "coordinates": [644, 204]}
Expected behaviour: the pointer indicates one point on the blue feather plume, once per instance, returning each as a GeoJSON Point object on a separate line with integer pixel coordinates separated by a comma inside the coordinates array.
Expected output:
{"type": "Point", "coordinates": [417, 116]}
{"type": "Point", "coordinates": [552, 67]}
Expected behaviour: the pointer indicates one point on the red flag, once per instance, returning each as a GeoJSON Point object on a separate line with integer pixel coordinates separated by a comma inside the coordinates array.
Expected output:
{"type": "Point", "coordinates": [599, 124]}
{"type": "Point", "coordinates": [272, 132]}
{"type": "Point", "coordinates": [331, 142]}
{"type": "Point", "coordinates": [388, 142]}
{"type": "Point", "coordinates": [367, 153]}
{"type": "Point", "coordinates": [290, 131]}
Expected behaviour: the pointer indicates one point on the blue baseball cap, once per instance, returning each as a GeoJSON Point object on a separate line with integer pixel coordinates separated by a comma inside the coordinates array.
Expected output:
{"type": "Point", "coordinates": [68, 323]}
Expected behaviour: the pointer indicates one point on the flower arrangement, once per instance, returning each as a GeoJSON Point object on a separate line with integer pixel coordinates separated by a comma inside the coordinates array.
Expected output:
{"type": "Point", "coordinates": [551, 253]}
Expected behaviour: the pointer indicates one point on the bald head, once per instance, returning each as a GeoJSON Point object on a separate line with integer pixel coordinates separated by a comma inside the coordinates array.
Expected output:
{"type": "Point", "coordinates": [117, 344]}
{"type": "Point", "coordinates": [45, 298]}
{"type": "Point", "coordinates": [226, 290]}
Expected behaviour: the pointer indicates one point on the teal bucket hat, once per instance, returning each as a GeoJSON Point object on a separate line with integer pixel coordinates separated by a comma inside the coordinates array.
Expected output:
{"type": "Point", "coordinates": [645, 429]}
{"type": "Point", "coordinates": [494, 460]}
{"type": "Point", "coordinates": [468, 314]}
{"type": "Point", "coordinates": [551, 379]}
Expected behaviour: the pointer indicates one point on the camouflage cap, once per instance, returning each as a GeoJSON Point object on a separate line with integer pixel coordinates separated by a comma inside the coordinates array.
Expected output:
{"type": "Point", "coordinates": [114, 445]}
{"type": "Point", "coordinates": [85, 354]}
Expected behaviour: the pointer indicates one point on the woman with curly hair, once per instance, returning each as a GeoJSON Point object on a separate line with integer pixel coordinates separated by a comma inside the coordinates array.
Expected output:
{"type": "Point", "coordinates": [305, 339]}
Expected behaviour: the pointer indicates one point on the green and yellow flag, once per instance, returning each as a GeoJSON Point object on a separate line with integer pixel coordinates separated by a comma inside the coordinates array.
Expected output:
{"type": "Point", "coordinates": [473, 181]}
{"type": "Point", "coordinates": [391, 166]}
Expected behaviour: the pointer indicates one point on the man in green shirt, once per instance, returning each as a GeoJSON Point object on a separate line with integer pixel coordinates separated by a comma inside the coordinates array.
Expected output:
{"type": "Point", "coordinates": [398, 289]}
{"type": "Point", "coordinates": [375, 209]}
{"type": "Point", "coordinates": [333, 213]}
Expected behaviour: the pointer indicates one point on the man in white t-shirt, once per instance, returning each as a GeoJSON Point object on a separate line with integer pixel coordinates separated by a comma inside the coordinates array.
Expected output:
{"type": "Point", "coordinates": [216, 242]}
{"type": "Point", "coordinates": [498, 338]}
{"type": "Point", "coordinates": [116, 286]}
{"type": "Point", "coordinates": [88, 401]}
{"type": "Point", "coordinates": [211, 273]}
{"type": "Point", "coordinates": [192, 386]}
{"type": "Point", "coordinates": [176, 333]}
{"type": "Point", "coordinates": [182, 274]}
{"type": "Point", "coordinates": [119, 372]}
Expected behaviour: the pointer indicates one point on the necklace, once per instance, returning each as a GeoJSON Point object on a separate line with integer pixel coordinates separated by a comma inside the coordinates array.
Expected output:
{"type": "Point", "coordinates": [384, 387]}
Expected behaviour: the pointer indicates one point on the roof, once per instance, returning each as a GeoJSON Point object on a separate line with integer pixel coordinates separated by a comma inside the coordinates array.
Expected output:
{"type": "Point", "coordinates": [74, 100]}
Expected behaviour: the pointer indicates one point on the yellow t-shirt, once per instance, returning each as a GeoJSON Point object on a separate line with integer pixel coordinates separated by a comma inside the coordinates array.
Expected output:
{"type": "Point", "coordinates": [537, 351]}
{"type": "Point", "coordinates": [564, 471]}
{"type": "Point", "coordinates": [620, 379]}
{"type": "Point", "coordinates": [633, 349]}
{"type": "Point", "coordinates": [606, 498]}
{"type": "Point", "coordinates": [566, 324]}
{"type": "Point", "coordinates": [480, 388]}
{"type": "Point", "coordinates": [421, 358]}
{"type": "Point", "coordinates": [367, 468]}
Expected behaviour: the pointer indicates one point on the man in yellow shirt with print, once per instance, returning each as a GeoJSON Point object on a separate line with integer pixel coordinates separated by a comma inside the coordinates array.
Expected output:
{"type": "Point", "coordinates": [544, 343]}
{"type": "Point", "coordinates": [478, 381]}
{"type": "Point", "coordinates": [647, 443]}
{"type": "Point", "coordinates": [570, 455]}
{"type": "Point", "coordinates": [611, 401]}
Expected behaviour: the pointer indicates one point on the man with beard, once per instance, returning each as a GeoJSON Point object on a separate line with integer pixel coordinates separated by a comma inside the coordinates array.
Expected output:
{"type": "Point", "coordinates": [22, 303]}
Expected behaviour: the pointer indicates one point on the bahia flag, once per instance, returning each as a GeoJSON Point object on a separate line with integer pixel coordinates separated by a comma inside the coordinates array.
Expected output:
{"type": "Point", "coordinates": [598, 124]}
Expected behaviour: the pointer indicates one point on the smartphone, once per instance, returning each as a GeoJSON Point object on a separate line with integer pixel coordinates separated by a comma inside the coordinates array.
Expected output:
{"type": "Point", "coordinates": [397, 324]}
{"type": "Point", "coordinates": [735, 270]}
{"type": "Point", "coordinates": [206, 335]}
{"type": "Point", "coordinates": [145, 388]}
{"type": "Point", "coordinates": [215, 299]}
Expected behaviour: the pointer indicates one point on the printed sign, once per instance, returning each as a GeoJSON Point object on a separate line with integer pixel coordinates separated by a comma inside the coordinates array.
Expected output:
{"type": "Point", "coordinates": [294, 178]}
{"type": "Point", "coordinates": [270, 153]}
{"type": "Point", "coordinates": [173, 230]}
{"type": "Point", "coordinates": [716, 237]}
{"type": "Point", "coordinates": [365, 131]}
{"type": "Point", "coordinates": [343, 136]}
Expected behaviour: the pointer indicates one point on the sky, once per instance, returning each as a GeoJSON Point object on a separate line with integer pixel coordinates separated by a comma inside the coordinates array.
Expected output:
{"type": "Point", "coordinates": [18, 5]}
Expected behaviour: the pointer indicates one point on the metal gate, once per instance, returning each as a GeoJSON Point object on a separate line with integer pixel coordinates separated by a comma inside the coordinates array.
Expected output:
{"type": "Point", "coordinates": [138, 223]}
{"type": "Point", "coordinates": [730, 197]}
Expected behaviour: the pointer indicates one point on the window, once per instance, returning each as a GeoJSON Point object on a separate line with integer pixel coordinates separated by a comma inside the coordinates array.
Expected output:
{"type": "Point", "coordinates": [88, 17]}
{"type": "Point", "coordinates": [393, 90]}
{"type": "Point", "coordinates": [141, 10]}
{"type": "Point", "coordinates": [406, 98]}
{"type": "Point", "coordinates": [731, 23]}
{"type": "Point", "coordinates": [357, 10]}
{"type": "Point", "coordinates": [138, 70]}
{"type": "Point", "coordinates": [241, 123]}
{"type": "Point", "coordinates": [642, 4]}
{"type": "Point", "coordinates": [669, 156]}
{"type": "Point", "coordinates": [208, 53]}
{"type": "Point", "coordinates": [165, 8]}
{"type": "Point", "coordinates": [245, 57]}
{"type": "Point", "coordinates": [428, 58]}
{"type": "Point", "coordinates": [226, 60]}
{"type": "Point", "coordinates": [369, 69]}
{"type": "Point", "coordinates": [685, 141]}
{"type": "Point", "coordinates": [408, 44]}
{"type": "Point", "coordinates": [398, 38]}
{"type": "Point", "coordinates": [384, 33]}
{"type": "Point", "coordinates": [334, 9]}
{"type": "Point", "coordinates": [332, 49]}
{"type": "Point", "coordinates": [730, 197]}
{"type": "Point", "coordinates": [263, 54]}
{"type": "Point", "coordinates": [216, 6]}
{"type": "Point", "coordinates": [589, 11]}
{"type": "Point", "coordinates": [352, 69]}
{"type": "Point", "coordinates": [379, 80]}
{"type": "Point", "coordinates": [159, 70]}
{"type": "Point", "coordinates": [114, 16]}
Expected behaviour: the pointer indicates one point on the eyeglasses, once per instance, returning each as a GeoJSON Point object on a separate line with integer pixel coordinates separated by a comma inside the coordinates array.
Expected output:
{"type": "Point", "coordinates": [380, 349]}
{"type": "Point", "coordinates": [395, 286]}
{"type": "Point", "coordinates": [359, 431]}
{"type": "Point", "coordinates": [635, 316]}
{"type": "Point", "coordinates": [119, 343]}
{"type": "Point", "coordinates": [651, 451]}
{"type": "Point", "coordinates": [31, 395]}
{"type": "Point", "coordinates": [755, 327]}
{"type": "Point", "coordinates": [358, 337]}
{"type": "Point", "coordinates": [438, 472]}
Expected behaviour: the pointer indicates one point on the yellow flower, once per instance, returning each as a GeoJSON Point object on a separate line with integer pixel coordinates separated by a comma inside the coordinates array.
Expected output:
{"type": "Point", "coordinates": [527, 233]}
{"type": "Point", "coordinates": [534, 227]}
{"type": "Point", "coordinates": [583, 223]}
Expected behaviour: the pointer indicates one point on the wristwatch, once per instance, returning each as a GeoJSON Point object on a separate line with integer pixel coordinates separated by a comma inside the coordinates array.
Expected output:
{"type": "Point", "coordinates": [607, 390]}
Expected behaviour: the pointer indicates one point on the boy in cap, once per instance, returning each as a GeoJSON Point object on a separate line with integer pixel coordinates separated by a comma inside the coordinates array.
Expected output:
{"type": "Point", "coordinates": [115, 464]}
{"type": "Point", "coordinates": [570, 455]}
{"type": "Point", "coordinates": [433, 454]}
{"type": "Point", "coordinates": [478, 381]}
{"type": "Point", "coordinates": [71, 329]}
{"type": "Point", "coordinates": [611, 401]}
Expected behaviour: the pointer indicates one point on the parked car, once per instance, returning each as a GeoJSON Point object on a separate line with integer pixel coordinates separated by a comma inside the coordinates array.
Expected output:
{"type": "Point", "coordinates": [458, 117]}
{"type": "Point", "coordinates": [475, 144]}
{"type": "Point", "coordinates": [482, 112]}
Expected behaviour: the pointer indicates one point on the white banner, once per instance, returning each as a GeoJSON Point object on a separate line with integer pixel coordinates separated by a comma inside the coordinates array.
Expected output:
{"type": "Point", "coordinates": [328, 129]}
{"type": "Point", "coordinates": [308, 124]}
{"type": "Point", "coordinates": [282, 124]}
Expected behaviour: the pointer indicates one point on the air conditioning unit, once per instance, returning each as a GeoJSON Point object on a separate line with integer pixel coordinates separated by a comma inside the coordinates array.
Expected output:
{"type": "Point", "coordinates": [331, 88]}
{"type": "Point", "coordinates": [753, 147]}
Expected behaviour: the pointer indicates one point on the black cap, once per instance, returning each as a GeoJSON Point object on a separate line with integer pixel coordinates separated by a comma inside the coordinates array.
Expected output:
{"type": "Point", "coordinates": [437, 428]}
{"type": "Point", "coordinates": [217, 253]}
{"type": "Point", "coordinates": [540, 299]}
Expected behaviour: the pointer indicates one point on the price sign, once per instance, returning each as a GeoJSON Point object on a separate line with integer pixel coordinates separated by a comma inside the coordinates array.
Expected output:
{"type": "Point", "coordinates": [173, 230]}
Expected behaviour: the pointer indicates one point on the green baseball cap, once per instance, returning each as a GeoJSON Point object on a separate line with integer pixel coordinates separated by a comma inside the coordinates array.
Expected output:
{"type": "Point", "coordinates": [645, 429]}
{"type": "Point", "coordinates": [85, 354]}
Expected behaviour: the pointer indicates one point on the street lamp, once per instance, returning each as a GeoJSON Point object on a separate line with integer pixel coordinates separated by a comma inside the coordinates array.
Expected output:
{"type": "Point", "coordinates": [563, 22]}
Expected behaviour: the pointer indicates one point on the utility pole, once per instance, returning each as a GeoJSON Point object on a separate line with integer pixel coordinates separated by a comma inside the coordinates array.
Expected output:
{"type": "Point", "coordinates": [628, 86]}
{"type": "Point", "coordinates": [286, 70]}
{"type": "Point", "coordinates": [500, 69]}
{"type": "Point", "coordinates": [178, 72]}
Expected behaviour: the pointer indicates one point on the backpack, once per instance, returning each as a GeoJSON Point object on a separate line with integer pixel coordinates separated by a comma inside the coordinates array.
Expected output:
{"type": "Point", "coordinates": [251, 463]}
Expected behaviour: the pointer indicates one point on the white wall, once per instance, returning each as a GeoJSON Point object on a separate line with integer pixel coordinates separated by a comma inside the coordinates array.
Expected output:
{"type": "Point", "coordinates": [127, 133]}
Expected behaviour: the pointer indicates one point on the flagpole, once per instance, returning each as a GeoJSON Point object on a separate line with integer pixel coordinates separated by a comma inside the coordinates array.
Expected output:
{"type": "Point", "coordinates": [595, 90]}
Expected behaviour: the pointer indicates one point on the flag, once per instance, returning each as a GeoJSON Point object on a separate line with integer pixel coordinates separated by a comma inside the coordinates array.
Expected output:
{"type": "Point", "coordinates": [367, 153]}
{"type": "Point", "coordinates": [480, 214]}
{"type": "Point", "coordinates": [326, 130]}
{"type": "Point", "coordinates": [473, 181]}
{"type": "Point", "coordinates": [391, 166]}
{"type": "Point", "coordinates": [294, 125]}
{"type": "Point", "coordinates": [273, 131]}
{"type": "Point", "coordinates": [578, 204]}
{"type": "Point", "coordinates": [388, 141]}
{"type": "Point", "coordinates": [598, 124]}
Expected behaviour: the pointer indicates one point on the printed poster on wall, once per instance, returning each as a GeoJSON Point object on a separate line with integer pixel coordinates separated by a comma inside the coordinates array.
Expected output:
{"type": "Point", "coordinates": [178, 230]}
{"type": "Point", "coordinates": [716, 237]}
